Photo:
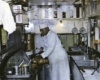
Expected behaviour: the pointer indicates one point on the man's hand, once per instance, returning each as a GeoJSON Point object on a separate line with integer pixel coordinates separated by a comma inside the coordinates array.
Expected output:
{"type": "Point", "coordinates": [38, 59]}
{"type": "Point", "coordinates": [40, 52]}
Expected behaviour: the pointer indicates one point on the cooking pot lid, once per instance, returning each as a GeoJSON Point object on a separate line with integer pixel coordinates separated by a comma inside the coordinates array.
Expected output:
{"type": "Point", "coordinates": [24, 65]}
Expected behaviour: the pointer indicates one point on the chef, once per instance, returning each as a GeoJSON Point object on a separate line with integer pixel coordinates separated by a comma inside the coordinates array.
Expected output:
{"type": "Point", "coordinates": [6, 17]}
{"type": "Point", "coordinates": [56, 54]}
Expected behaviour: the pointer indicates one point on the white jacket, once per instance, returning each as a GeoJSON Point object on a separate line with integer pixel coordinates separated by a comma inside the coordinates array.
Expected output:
{"type": "Point", "coordinates": [58, 58]}
{"type": "Point", "coordinates": [6, 17]}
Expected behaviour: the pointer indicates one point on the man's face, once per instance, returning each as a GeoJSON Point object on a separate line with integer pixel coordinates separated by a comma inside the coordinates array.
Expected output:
{"type": "Point", "coordinates": [43, 31]}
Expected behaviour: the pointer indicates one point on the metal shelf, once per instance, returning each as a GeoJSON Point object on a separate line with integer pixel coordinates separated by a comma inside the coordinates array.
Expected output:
{"type": "Point", "coordinates": [17, 76]}
{"type": "Point", "coordinates": [63, 19]}
{"type": "Point", "coordinates": [74, 19]}
{"type": "Point", "coordinates": [94, 15]}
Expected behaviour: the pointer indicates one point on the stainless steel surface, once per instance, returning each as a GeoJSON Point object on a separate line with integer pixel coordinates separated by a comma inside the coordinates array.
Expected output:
{"type": "Point", "coordinates": [82, 60]}
{"type": "Point", "coordinates": [87, 75]}
{"type": "Point", "coordinates": [86, 63]}
{"type": "Point", "coordinates": [78, 57]}
{"type": "Point", "coordinates": [18, 76]}
{"type": "Point", "coordinates": [76, 74]}
{"type": "Point", "coordinates": [49, 2]}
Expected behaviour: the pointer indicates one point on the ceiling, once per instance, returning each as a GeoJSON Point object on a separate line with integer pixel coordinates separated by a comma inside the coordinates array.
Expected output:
{"type": "Point", "coordinates": [50, 2]}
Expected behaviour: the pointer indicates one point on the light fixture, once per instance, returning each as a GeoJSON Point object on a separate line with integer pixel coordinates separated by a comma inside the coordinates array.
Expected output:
{"type": "Point", "coordinates": [61, 23]}
{"type": "Point", "coordinates": [24, 1]}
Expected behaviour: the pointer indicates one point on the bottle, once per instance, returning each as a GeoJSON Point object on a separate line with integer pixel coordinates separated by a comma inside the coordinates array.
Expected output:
{"type": "Point", "coordinates": [63, 14]}
{"type": "Point", "coordinates": [55, 13]}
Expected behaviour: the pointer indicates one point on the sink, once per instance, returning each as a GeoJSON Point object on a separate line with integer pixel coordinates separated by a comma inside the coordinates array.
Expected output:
{"type": "Point", "coordinates": [83, 61]}
{"type": "Point", "coordinates": [86, 63]}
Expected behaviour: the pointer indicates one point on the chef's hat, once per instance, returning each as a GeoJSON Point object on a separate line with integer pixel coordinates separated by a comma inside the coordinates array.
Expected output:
{"type": "Point", "coordinates": [42, 26]}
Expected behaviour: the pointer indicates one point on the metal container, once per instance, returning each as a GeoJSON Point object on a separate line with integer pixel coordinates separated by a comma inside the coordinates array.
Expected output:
{"type": "Point", "coordinates": [25, 69]}
{"type": "Point", "coordinates": [28, 36]}
{"type": "Point", "coordinates": [15, 68]}
{"type": "Point", "coordinates": [29, 39]}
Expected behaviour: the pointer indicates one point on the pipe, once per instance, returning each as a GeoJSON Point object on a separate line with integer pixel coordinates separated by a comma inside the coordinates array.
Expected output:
{"type": "Point", "coordinates": [10, 52]}
{"type": "Point", "coordinates": [11, 49]}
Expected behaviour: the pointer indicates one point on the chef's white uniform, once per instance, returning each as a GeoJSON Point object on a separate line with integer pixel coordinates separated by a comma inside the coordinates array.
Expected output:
{"type": "Point", "coordinates": [57, 56]}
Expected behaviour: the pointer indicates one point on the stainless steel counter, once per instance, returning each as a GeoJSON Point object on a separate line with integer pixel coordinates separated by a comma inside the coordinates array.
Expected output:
{"type": "Point", "coordinates": [87, 74]}
{"type": "Point", "coordinates": [18, 76]}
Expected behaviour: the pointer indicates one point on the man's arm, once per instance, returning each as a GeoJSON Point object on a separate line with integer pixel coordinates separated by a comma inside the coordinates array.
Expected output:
{"type": "Point", "coordinates": [51, 45]}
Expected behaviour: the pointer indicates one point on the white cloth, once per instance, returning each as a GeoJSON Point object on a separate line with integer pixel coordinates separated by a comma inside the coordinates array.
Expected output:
{"type": "Point", "coordinates": [6, 17]}
{"type": "Point", "coordinates": [42, 26]}
{"type": "Point", "coordinates": [57, 56]}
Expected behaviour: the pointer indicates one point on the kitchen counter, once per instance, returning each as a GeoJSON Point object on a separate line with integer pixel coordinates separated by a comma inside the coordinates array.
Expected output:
{"type": "Point", "coordinates": [87, 74]}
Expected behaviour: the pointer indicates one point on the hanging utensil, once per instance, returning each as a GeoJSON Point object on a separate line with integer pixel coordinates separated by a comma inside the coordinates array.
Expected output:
{"type": "Point", "coordinates": [74, 30]}
{"type": "Point", "coordinates": [82, 30]}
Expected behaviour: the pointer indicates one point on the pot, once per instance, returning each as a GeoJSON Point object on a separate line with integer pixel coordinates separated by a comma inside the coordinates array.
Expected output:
{"type": "Point", "coordinates": [25, 69]}
{"type": "Point", "coordinates": [28, 38]}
